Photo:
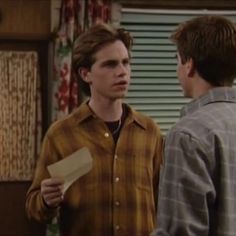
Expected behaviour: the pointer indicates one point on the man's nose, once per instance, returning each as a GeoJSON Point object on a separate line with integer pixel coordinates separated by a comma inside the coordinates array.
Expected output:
{"type": "Point", "coordinates": [121, 69]}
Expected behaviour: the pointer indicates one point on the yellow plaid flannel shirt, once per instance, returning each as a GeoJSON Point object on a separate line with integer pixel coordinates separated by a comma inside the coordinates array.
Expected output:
{"type": "Point", "coordinates": [118, 196]}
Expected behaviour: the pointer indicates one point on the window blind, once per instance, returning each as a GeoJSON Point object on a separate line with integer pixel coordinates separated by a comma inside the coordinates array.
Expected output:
{"type": "Point", "coordinates": [154, 89]}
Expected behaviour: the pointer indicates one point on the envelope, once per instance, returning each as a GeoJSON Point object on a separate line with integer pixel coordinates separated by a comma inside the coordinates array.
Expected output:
{"type": "Point", "coordinates": [72, 167]}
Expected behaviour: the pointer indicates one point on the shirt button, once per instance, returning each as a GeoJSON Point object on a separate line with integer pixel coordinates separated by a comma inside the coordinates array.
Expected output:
{"type": "Point", "coordinates": [106, 135]}
{"type": "Point", "coordinates": [117, 227]}
{"type": "Point", "coordinates": [117, 203]}
{"type": "Point", "coordinates": [115, 156]}
{"type": "Point", "coordinates": [117, 179]}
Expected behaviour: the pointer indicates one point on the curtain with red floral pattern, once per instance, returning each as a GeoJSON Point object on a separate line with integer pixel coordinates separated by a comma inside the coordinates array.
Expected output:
{"type": "Point", "coordinates": [76, 16]}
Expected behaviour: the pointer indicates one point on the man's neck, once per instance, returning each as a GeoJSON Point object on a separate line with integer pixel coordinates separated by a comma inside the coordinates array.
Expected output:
{"type": "Point", "coordinates": [198, 86]}
{"type": "Point", "coordinates": [201, 88]}
{"type": "Point", "coordinates": [107, 111]}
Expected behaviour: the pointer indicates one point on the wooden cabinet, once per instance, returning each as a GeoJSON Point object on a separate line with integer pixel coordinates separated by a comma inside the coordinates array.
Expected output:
{"type": "Point", "coordinates": [13, 218]}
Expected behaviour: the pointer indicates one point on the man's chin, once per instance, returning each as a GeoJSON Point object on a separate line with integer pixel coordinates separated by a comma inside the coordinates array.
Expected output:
{"type": "Point", "coordinates": [119, 96]}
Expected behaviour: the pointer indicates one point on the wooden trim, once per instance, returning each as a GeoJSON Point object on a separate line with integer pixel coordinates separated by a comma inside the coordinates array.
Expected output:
{"type": "Point", "coordinates": [26, 37]}
{"type": "Point", "coordinates": [181, 4]}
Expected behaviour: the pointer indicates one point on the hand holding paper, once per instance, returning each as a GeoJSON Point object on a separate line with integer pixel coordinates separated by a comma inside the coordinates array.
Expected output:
{"type": "Point", "coordinates": [72, 167]}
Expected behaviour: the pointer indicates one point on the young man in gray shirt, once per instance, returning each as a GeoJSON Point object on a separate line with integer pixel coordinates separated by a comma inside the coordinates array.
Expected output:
{"type": "Point", "coordinates": [197, 193]}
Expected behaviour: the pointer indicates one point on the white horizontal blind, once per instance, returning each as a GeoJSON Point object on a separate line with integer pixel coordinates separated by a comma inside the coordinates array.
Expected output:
{"type": "Point", "coordinates": [154, 89]}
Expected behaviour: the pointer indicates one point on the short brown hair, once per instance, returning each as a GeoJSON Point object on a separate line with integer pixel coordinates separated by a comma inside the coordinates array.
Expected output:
{"type": "Point", "coordinates": [211, 43]}
{"type": "Point", "coordinates": [92, 41]}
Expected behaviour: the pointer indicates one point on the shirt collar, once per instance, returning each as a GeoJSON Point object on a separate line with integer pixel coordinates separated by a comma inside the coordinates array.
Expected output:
{"type": "Point", "coordinates": [83, 112]}
{"type": "Point", "coordinates": [134, 116]}
{"type": "Point", "coordinates": [219, 94]}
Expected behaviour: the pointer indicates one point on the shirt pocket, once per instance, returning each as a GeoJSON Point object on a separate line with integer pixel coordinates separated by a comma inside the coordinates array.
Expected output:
{"type": "Point", "coordinates": [89, 181]}
{"type": "Point", "coordinates": [143, 178]}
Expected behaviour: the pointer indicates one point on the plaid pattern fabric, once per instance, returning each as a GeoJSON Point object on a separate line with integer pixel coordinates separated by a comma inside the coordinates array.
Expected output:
{"type": "Point", "coordinates": [197, 187]}
{"type": "Point", "coordinates": [117, 197]}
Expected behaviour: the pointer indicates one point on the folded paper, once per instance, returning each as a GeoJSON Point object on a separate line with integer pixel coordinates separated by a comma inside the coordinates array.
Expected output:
{"type": "Point", "coordinates": [72, 167]}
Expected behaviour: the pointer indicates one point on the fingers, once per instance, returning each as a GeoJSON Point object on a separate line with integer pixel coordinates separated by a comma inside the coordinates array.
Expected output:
{"type": "Point", "coordinates": [52, 191]}
{"type": "Point", "coordinates": [53, 182]}
{"type": "Point", "coordinates": [54, 199]}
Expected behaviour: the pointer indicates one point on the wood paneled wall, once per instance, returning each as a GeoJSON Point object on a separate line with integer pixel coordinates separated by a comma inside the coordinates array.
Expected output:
{"type": "Point", "coordinates": [13, 219]}
{"type": "Point", "coordinates": [24, 25]}
{"type": "Point", "coordinates": [25, 19]}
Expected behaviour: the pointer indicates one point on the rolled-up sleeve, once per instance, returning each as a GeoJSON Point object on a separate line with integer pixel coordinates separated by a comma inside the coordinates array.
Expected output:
{"type": "Point", "coordinates": [35, 207]}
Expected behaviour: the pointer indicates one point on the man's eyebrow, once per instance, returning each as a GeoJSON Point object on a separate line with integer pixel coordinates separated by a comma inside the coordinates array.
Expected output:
{"type": "Point", "coordinates": [109, 61]}
{"type": "Point", "coordinates": [114, 61]}
{"type": "Point", "coordinates": [126, 59]}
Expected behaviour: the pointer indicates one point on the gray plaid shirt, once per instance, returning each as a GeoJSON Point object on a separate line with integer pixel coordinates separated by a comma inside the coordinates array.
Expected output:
{"type": "Point", "coordinates": [197, 194]}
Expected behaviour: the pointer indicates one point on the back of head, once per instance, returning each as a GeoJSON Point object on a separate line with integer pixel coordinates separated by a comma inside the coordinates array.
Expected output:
{"type": "Point", "coordinates": [211, 42]}
{"type": "Point", "coordinates": [91, 41]}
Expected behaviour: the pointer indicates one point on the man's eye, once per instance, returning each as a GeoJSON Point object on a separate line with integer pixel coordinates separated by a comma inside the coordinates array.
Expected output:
{"type": "Point", "coordinates": [111, 64]}
{"type": "Point", "coordinates": [126, 62]}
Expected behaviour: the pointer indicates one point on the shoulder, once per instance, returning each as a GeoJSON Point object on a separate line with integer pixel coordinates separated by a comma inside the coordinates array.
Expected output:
{"type": "Point", "coordinates": [66, 123]}
{"type": "Point", "coordinates": [195, 124]}
{"type": "Point", "coordinates": [192, 131]}
{"type": "Point", "coordinates": [69, 122]}
{"type": "Point", "coordinates": [144, 120]}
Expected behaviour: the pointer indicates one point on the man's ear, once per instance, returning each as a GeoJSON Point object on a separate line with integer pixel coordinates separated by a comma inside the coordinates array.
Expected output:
{"type": "Point", "coordinates": [84, 74]}
{"type": "Point", "coordinates": [190, 67]}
